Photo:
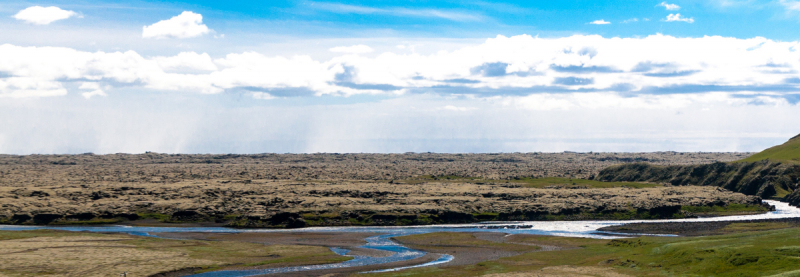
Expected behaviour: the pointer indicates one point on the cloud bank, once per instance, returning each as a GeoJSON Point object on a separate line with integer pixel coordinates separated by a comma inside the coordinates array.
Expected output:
{"type": "Point", "coordinates": [519, 65]}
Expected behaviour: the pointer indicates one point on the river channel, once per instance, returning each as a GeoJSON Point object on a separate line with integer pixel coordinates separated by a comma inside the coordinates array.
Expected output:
{"type": "Point", "coordinates": [401, 253]}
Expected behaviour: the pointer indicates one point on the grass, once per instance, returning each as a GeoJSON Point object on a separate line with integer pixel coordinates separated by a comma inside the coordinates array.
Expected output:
{"type": "Point", "coordinates": [107, 253]}
{"type": "Point", "coordinates": [444, 240]}
{"type": "Point", "coordinates": [96, 221]}
{"type": "Point", "coordinates": [759, 253]}
{"type": "Point", "coordinates": [730, 209]}
{"type": "Point", "coordinates": [576, 183]}
{"type": "Point", "coordinates": [537, 182]}
{"type": "Point", "coordinates": [754, 227]}
{"type": "Point", "coordinates": [787, 152]}
{"type": "Point", "coordinates": [9, 235]}
{"type": "Point", "coordinates": [156, 216]}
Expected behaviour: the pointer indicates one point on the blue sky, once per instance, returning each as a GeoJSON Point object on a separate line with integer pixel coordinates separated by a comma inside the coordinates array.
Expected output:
{"type": "Point", "coordinates": [397, 76]}
{"type": "Point", "coordinates": [737, 18]}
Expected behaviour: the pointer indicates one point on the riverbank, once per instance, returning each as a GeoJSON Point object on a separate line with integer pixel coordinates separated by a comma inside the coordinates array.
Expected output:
{"type": "Point", "coordinates": [703, 228]}
{"type": "Point", "coordinates": [759, 253]}
{"type": "Point", "coordinates": [478, 249]}
{"type": "Point", "coordinates": [62, 253]}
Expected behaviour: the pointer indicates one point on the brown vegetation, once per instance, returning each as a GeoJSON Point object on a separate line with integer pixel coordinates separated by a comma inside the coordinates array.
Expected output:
{"type": "Point", "coordinates": [273, 190]}
{"type": "Point", "coordinates": [56, 253]}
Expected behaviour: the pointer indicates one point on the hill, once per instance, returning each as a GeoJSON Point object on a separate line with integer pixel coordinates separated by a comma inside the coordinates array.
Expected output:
{"type": "Point", "coordinates": [773, 173]}
{"type": "Point", "coordinates": [787, 152]}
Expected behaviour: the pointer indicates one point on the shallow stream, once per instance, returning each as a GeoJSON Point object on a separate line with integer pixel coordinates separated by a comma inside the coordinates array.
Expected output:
{"type": "Point", "coordinates": [401, 253]}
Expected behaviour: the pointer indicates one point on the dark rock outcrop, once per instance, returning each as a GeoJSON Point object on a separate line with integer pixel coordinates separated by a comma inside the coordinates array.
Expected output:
{"type": "Point", "coordinates": [765, 179]}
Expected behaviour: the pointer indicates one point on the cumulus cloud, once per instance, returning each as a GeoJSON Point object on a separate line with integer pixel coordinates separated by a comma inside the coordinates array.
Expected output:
{"type": "Point", "coordinates": [678, 18]}
{"type": "Point", "coordinates": [668, 6]}
{"type": "Point", "coordinates": [187, 62]}
{"type": "Point", "coordinates": [600, 22]}
{"type": "Point", "coordinates": [39, 15]}
{"type": "Point", "coordinates": [185, 25]}
{"type": "Point", "coordinates": [355, 49]}
{"type": "Point", "coordinates": [519, 65]}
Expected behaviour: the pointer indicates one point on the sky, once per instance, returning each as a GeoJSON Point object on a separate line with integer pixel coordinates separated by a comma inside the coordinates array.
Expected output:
{"type": "Point", "coordinates": [397, 76]}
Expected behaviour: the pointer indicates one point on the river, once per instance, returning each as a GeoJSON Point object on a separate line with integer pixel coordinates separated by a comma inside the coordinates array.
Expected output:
{"type": "Point", "coordinates": [401, 253]}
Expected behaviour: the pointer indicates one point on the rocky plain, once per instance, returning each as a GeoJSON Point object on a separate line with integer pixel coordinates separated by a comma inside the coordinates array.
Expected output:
{"type": "Point", "coordinates": [298, 190]}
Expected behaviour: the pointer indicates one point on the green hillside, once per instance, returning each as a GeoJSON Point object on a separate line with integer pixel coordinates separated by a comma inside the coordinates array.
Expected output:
{"type": "Point", "coordinates": [789, 151]}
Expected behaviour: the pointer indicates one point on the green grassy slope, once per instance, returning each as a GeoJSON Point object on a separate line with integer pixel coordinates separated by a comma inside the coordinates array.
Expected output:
{"type": "Point", "coordinates": [761, 253]}
{"type": "Point", "coordinates": [789, 151]}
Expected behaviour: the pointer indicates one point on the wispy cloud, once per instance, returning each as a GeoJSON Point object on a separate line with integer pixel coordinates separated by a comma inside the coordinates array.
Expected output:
{"type": "Point", "coordinates": [632, 20]}
{"type": "Point", "coordinates": [668, 6]}
{"type": "Point", "coordinates": [501, 7]}
{"type": "Point", "coordinates": [731, 3]}
{"type": "Point", "coordinates": [678, 18]}
{"type": "Point", "coordinates": [397, 11]}
{"type": "Point", "coordinates": [790, 5]}
{"type": "Point", "coordinates": [600, 22]}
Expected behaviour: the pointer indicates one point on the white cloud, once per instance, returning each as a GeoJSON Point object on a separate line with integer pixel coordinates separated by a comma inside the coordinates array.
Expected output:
{"type": "Point", "coordinates": [395, 11]}
{"type": "Point", "coordinates": [355, 49]}
{"type": "Point", "coordinates": [790, 5]}
{"type": "Point", "coordinates": [93, 90]}
{"type": "Point", "coordinates": [27, 87]}
{"type": "Point", "coordinates": [457, 109]}
{"type": "Point", "coordinates": [39, 15]}
{"type": "Point", "coordinates": [185, 25]}
{"type": "Point", "coordinates": [668, 6]}
{"type": "Point", "coordinates": [187, 61]}
{"type": "Point", "coordinates": [678, 18]}
{"type": "Point", "coordinates": [600, 22]}
{"type": "Point", "coordinates": [656, 64]}
{"type": "Point", "coordinates": [731, 3]}
{"type": "Point", "coordinates": [630, 20]}
{"type": "Point", "coordinates": [263, 96]}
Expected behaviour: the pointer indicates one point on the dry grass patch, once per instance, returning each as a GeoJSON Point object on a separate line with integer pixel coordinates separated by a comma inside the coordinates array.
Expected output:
{"type": "Point", "coordinates": [50, 253]}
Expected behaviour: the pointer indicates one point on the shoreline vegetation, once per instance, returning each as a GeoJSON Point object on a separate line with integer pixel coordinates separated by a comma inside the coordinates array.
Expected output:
{"type": "Point", "coordinates": [370, 219]}
{"type": "Point", "coordinates": [763, 248]}
{"type": "Point", "coordinates": [96, 254]}
{"type": "Point", "coordinates": [745, 249]}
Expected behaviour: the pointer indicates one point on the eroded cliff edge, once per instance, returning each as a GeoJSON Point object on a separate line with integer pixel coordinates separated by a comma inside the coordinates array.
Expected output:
{"type": "Point", "coordinates": [772, 174]}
